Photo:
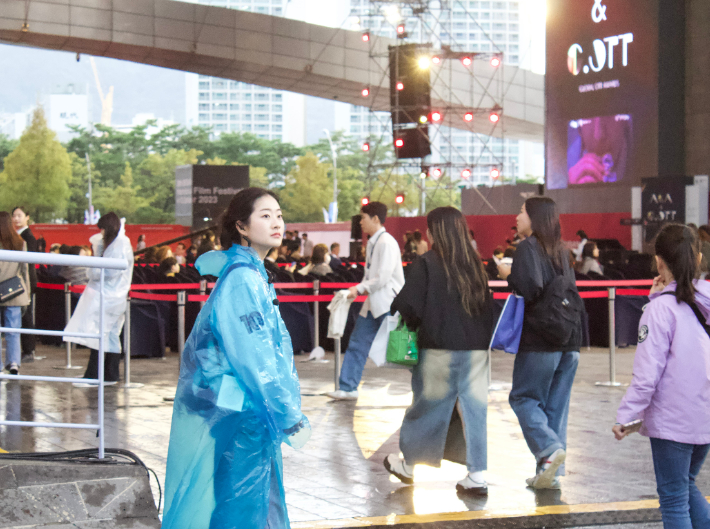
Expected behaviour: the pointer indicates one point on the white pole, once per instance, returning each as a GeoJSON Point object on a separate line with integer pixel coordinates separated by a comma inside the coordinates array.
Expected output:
{"type": "Point", "coordinates": [101, 366]}
{"type": "Point", "coordinates": [127, 384]}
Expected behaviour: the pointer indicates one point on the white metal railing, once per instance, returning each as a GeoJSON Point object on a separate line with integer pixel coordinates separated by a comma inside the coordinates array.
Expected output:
{"type": "Point", "coordinates": [102, 263]}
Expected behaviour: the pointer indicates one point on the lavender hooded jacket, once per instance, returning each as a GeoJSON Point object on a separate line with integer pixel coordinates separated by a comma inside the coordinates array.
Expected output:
{"type": "Point", "coordinates": [670, 389]}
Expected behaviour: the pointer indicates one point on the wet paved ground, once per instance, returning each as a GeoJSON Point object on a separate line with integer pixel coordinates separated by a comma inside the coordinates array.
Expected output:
{"type": "Point", "coordinates": [339, 475]}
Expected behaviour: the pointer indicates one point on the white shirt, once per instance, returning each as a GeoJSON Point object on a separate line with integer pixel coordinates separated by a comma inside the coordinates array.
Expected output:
{"type": "Point", "coordinates": [384, 275]}
{"type": "Point", "coordinates": [579, 250]}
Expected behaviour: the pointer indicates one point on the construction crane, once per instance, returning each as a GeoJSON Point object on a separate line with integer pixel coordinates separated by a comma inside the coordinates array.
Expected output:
{"type": "Point", "coordinates": [106, 101]}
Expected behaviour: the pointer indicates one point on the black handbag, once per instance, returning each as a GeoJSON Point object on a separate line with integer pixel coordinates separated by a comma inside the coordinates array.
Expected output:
{"type": "Point", "coordinates": [10, 289]}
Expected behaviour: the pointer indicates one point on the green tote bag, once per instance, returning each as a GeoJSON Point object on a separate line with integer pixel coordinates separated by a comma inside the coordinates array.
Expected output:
{"type": "Point", "coordinates": [402, 346]}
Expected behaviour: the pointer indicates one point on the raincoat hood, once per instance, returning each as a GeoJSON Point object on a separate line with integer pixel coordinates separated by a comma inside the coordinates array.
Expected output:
{"type": "Point", "coordinates": [216, 262]}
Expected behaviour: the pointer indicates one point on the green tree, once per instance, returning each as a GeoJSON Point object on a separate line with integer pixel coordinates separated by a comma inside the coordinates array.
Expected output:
{"type": "Point", "coordinates": [351, 189]}
{"type": "Point", "coordinates": [156, 178]}
{"type": "Point", "coordinates": [37, 172]}
{"type": "Point", "coordinates": [124, 199]}
{"type": "Point", "coordinates": [6, 147]}
{"type": "Point", "coordinates": [276, 157]}
{"type": "Point", "coordinates": [79, 187]}
{"type": "Point", "coordinates": [307, 190]}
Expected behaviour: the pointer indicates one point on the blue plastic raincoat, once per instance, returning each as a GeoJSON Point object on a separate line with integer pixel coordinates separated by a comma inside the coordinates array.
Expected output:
{"type": "Point", "coordinates": [237, 399]}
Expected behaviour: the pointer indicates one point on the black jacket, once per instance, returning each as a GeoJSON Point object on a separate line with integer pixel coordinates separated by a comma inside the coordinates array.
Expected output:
{"type": "Point", "coordinates": [427, 304]}
{"type": "Point", "coordinates": [29, 238]}
{"type": "Point", "coordinates": [532, 271]}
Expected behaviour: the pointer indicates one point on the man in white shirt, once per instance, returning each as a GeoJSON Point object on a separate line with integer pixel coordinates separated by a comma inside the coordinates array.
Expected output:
{"type": "Point", "coordinates": [384, 277]}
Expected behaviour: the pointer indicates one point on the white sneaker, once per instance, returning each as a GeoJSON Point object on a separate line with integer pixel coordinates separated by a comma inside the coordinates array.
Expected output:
{"type": "Point", "coordinates": [396, 466]}
{"type": "Point", "coordinates": [342, 395]}
{"type": "Point", "coordinates": [545, 479]}
{"type": "Point", "coordinates": [473, 485]}
{"type": "Point", "coordinates": [93, 384]}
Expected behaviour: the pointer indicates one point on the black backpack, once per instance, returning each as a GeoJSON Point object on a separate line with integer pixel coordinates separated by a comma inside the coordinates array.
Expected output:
{"type": "Point", "coordinates": [557, 314]}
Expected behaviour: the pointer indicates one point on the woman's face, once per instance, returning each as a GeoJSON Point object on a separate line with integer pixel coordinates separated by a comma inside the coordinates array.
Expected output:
{"type": "Point", "coordinates": [524, 223]}
{"type": "Point", "coordinates": [266, 226]}
{"type": "Point", "coordinates": [595, 253]}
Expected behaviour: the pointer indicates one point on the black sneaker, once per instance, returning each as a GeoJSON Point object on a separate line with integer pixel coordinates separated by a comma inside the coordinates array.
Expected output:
{"type": "Point", "coordinates": [13, 369]}
{"type": "Point", "coordinates": [28, 358]}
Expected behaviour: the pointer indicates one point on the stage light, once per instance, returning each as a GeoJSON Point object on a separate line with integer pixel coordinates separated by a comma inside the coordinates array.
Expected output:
{"type": "Point", "coordinates": [495, 173]}
{"type": "Point", "coordinates": [423, 119]}
{"type": "Point", "coordinates": [423, 62]}
{"type": "Point", "coordinates": [436, 60]}
{"type": "Point", "coordinates": [468, 116]}
{"type": "Point", "coordinates": [466, 61]}
{"type": "Point", "coordinates": [466, 174]}
{"type": "Point", "coordinates": [366, 36]}
{"type": "Point", "coordinates": [365, 201]}
{"type": "Point", "coordinates": [494, 117]}
{"type": "Point", "coordinates": [400, 29]}
{"type": "Point", "coordinates": [399, 143]}
{"type": "Point", "coordinates": [366, 146]}
{"type": "Point", "coordinates": [436, 116]}
{"type": "Point", "coordinates": [399, 199]}
{"type": "Point", "coordinates": [495, 62]}
{"type": "Point", "coordinates": [400, 86]}
{"type": "Point", "coordinates": [436, 172]}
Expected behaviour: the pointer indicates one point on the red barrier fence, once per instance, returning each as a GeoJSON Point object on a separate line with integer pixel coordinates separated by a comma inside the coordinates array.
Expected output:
{"type": "Point", "coordinates": [611, 291]}
{"type": "Point", "coordinates": [335, 286]}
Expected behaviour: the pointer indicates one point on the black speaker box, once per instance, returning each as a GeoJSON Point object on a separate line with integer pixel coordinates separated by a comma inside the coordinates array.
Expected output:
{"type": "Point", "coordinates": [355, 228]}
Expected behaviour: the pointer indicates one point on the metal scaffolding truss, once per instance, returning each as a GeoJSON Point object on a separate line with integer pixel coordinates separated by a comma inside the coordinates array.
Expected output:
{"type": "Point", "coordinates": [427, 23]}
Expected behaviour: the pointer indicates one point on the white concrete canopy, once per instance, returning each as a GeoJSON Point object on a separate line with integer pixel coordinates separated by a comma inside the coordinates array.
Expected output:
{"type": "Point", "coordinates": [268, 51]}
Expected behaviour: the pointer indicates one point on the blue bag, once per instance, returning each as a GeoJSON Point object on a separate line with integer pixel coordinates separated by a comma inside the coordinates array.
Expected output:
{"type": "Point", "coordinates": [506, 336]}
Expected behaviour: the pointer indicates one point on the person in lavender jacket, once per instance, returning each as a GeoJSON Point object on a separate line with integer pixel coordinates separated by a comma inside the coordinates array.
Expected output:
{"type": "Point", "coordinates": [670, 390]}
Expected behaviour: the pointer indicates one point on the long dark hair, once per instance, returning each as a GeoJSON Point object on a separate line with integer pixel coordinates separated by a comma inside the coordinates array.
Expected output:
{"type": "Point", "coordinates": [588, 250]}
{"type": "Point", "coordinates": [8, 236]}
{"type": "Point", "coordinates": [112, 225]}
{"type": "Point", "coordinates": [240, 209]}
{"type": "Point", "coordinates": [464, 270]}
{"type": "Point", "coordinates": [546, 228]}
{"type": "Point", "coordinates": [679, 246]}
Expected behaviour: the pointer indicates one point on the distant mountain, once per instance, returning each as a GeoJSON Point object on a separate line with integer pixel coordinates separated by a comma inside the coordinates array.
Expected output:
{"type": "Point", "coordinates": [29, 73]}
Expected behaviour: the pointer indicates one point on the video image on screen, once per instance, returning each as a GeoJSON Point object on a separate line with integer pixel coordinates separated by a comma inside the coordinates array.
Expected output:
{"type": "Point", "coordinates": [598, 149]}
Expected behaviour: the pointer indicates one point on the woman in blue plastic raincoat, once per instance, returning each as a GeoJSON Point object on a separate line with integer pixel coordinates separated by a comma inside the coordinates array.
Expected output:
{"type": "Point", "coordinates": [238, 397]}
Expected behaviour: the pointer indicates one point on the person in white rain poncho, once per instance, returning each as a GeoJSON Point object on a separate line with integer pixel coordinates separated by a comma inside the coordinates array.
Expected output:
{"type": "Point", "coordinates": [113, 243]}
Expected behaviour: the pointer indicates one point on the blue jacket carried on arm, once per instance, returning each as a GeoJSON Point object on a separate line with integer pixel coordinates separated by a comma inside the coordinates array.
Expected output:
{"type": "Point", "coordinates": [237, 400]}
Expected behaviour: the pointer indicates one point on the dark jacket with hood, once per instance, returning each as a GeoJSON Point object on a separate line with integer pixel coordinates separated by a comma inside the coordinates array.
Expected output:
{"type": "Point", "coordinates": [531, 272]}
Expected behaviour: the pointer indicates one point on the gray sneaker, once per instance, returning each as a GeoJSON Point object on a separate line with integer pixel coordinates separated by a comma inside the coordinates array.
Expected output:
{"type": "Point", "coordinates": [546, 477]}
{"type": "Point", "coordinates": [342, 395]}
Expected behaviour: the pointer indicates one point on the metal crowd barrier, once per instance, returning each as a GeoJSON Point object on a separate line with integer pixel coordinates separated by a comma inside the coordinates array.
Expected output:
{"type": "Point", "coordinates": [67, 260]}
{"type": "Point", "coordinates": [181, 297]}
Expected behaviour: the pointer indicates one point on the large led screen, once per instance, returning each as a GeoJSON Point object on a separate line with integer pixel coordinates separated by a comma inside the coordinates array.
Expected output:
{"type": "Point", "coordinates": [601, 92]}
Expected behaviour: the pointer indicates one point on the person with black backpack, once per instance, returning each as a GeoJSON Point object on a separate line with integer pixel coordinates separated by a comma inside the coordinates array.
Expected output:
{"type": "Point", "coordinates": [548, 355]}
{"type": "Point", "coordinates": [670, 389]}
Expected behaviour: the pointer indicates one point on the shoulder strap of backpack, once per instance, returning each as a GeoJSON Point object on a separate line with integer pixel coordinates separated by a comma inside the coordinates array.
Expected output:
{"type": "Point", "coordinates": [696, 311]}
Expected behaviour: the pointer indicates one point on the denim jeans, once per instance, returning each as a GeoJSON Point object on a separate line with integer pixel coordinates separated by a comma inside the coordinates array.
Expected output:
{"type": "Point", "coordinates": [542, 384]}
{"type": "Point", "coordinates": [440, 380]}
{"type": "Point", "coordinates": [358, 350]}
{"type": "Point", "coordinates": [12, 317]}
{"type": "Point", "coordinates": [683, 506]}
